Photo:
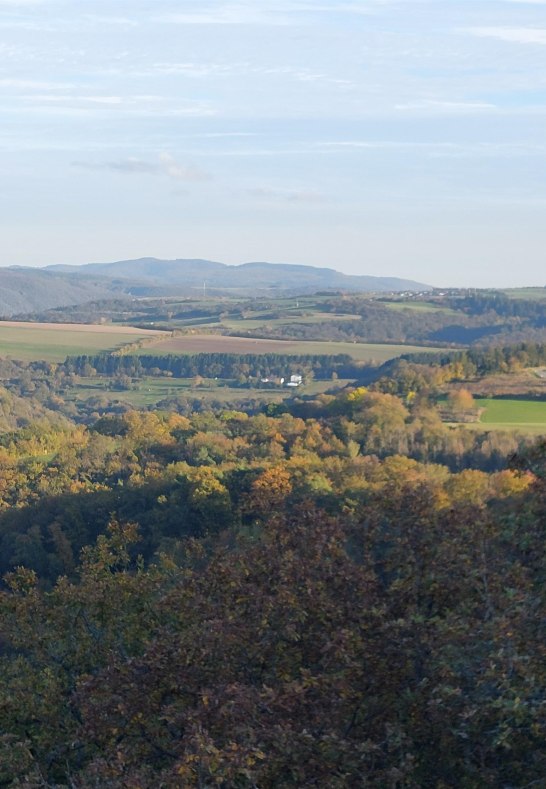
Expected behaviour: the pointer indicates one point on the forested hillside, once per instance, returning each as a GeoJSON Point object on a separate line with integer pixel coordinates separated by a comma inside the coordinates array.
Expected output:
{"type": "Point", "coordinates": [325, 592]}
{"type": "Point", "coordinates": [31, 290]}
{"type": "Point", "coordinates": [164, 275]}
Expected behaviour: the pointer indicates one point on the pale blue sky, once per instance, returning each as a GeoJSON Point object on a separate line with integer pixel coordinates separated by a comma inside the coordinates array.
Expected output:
{"type": "Point", "coordinates": [373, 136]}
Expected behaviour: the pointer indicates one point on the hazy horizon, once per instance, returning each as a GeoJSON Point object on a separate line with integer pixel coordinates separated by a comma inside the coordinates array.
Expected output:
{"type": "Point", "coordinates": [494, 283]}
{"type": "Point", "coordinates": [444, 285]}
{"type": "Point", "coordinates": [379, 138]}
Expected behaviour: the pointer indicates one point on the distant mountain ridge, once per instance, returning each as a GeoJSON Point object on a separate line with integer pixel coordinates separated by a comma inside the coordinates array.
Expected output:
{"type": "Point", "coordinates": [246, 276]}
{"type": "Point", "coordinates": [28, 290]}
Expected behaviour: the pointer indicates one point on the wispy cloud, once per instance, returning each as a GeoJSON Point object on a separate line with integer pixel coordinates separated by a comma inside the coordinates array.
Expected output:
{"type": "Point", "coordinates": [146, 105]}
{"type": "Point", "coordinates": [515, 35]}
{"type": "Point", "coordinates": [30, 84]}
{"type": "Point", "coordinates": [275, 195]}
{"type": "Point", "coordinates": [126, 166]}
{"type": "Point", "coordinates": [438, 107]}
{"type": "Point", "coordinates": [108, 19]}
{"type": "Point", "coordinates": [279, 12]}
{"type": "Point", "coordinates": [16, 3]}
{"type": "Point", "coordinates": [435, 149]}
{"type": "Point", "coordinates": [212, 70]}
{"type": "Point", "coordinates": [194, 69]}
{"type": "Point", "coordinates": [18, 17]}
{"type": "Point", "coordinates": [166, 165]}
{"type": "Point", "coordinates": [230, 14]}
{"type": "Point", "coordinates": [222, 134]}
{"type": "Point", "coordinates": [304, 75]}
{"type": "Point", "coordinates": [109, 101]}
{"type": "Point", "coordinates": [272, 13]}
{"type": "Point", "coordinates": [173, 169]}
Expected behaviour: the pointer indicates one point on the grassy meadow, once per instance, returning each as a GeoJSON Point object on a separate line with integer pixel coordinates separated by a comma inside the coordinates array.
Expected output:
{"type": "Point", "coordinates": [418, 306]}
{"type": "Point", "coordinates": [524, 415]}
{"type": "Point", "coordinates": [150, 390]}
{"type": "Point", "coordinates": [534, 294]}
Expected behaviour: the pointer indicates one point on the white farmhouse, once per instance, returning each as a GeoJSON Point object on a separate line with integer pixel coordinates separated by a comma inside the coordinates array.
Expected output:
{"type": "Point", "coordinates": [295, 380]}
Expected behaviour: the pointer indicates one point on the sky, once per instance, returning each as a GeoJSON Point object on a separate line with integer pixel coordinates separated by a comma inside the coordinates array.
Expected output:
{"type": "Point", "coordinates": [371, 136]}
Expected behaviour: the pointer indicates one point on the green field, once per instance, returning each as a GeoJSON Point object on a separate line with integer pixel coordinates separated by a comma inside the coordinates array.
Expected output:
{"type": "Point", "coordinates": [417, 306]}
{"type": "Point", "coordinates": [266, 321]}
{"type": "Point", "coordinates": [531, 294]}
{"type": "Point", "coordinates": [54, 342]}
{"type": "Point", "coordinates": [525, 415]}
{"type": "Point", "coordinates": [211, 343]}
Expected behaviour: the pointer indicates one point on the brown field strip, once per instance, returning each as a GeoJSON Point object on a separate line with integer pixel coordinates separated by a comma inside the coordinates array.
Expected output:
{"type": "Point", "coordinates": [93, 328]}
{"type": "Point", "coordinates": [206, 343]}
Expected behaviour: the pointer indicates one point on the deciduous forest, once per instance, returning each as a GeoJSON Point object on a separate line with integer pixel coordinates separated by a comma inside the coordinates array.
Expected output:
{"type": "Point", "coordinates": [336, 590]}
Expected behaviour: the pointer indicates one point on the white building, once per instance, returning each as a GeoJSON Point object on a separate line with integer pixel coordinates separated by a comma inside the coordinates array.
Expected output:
{"type": "Point", "coordinates": [295, 380]}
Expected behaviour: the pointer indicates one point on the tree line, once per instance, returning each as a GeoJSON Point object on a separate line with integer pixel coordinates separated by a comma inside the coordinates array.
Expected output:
{"type": "Point", "coordinates": [470, 363]}
{"type": "Point", "coordinates": [215, 365]}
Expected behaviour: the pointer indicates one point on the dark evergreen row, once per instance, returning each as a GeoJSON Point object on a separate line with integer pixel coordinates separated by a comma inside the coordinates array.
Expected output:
{"type": "Point", "coordinates": [216, 365]}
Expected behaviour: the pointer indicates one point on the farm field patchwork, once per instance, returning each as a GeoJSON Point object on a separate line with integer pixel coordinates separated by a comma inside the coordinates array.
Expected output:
{"type": "Point", "coordinates": [53, 342]}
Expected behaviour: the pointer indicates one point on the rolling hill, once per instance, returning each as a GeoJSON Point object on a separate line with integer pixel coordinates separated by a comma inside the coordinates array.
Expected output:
{"type": "Point", "coordinates": [29, 290]}
{"type": "Point", "coordinates": [245, 277]}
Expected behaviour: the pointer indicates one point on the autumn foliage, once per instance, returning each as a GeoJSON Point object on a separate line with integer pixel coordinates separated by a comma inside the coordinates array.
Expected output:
{"type": "Point", "coordinates": [303, 599]}
{"type": "Point", "coordinates": [399, 647]}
